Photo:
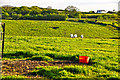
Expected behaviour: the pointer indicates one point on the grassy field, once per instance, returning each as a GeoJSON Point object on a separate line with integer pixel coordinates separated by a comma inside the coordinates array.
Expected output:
{"type": "Point", "coordinates": [58, 29]}
{"type": "Point", "coordinates": [38, 40]}
{"type": "Point", "coordinates": [103, 53]}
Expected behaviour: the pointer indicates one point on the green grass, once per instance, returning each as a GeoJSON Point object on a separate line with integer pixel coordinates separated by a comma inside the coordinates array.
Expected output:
{"type": "Point", "coordinates": [60, 45]}
{"type": "Point", "coordinates": [15, 77]}
{"type": "Point", "coordinates": [75, 72]}
{"type": "Point", "coordinates": [28, 39]}
{"type": "Point", "coordinates": [65, 28]}
{"type": "Point", "coordinates": [102, 52]}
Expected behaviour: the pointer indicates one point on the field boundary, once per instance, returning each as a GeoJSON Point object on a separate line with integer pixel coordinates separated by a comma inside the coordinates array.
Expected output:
{"type": "Point", "coordinates": [95, 22]}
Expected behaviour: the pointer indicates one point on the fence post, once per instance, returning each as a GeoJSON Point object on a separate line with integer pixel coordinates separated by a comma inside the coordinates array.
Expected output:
{"type": "Point", "coordinates": [1, 36]}
{"type": "Point", "coordinates": [3, 26]}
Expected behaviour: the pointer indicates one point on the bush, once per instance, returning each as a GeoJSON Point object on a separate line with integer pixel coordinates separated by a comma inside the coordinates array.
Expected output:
{"type": "Point", "coordinates": [52, 17]}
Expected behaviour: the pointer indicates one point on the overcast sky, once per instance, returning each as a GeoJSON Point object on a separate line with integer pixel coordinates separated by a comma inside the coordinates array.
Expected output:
{"type": "Point", "coordinates": [82, 5]}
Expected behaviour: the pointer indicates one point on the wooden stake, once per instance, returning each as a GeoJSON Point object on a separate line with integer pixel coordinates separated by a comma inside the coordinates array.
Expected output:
{"type": "Point", "coordinates": [3, 26]}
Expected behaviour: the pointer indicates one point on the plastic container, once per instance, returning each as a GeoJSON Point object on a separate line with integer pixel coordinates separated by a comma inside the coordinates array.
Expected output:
{"type": "Point", "coordinates": [84, 59]}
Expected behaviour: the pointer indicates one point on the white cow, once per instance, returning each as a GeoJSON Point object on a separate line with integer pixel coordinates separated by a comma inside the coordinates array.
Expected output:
{"type": "Point", "coordinates": [71, 35]}
{"type": "Point", "coordinates": [75, 36]}
{"type": "Point", "coordinates": [82, 36]}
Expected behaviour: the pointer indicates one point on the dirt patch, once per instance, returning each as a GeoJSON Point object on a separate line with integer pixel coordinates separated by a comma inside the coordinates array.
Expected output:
{"type": "Point", "coordinates": [24, 67]}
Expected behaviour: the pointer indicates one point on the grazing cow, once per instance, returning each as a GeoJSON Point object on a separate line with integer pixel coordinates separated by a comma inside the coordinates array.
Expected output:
{"type": "Point", "coordinates": [71, 35]}
{"type": "Point", "coordinates": [75, 36]}
{"type": "Point", "coordinates": [81, 36]}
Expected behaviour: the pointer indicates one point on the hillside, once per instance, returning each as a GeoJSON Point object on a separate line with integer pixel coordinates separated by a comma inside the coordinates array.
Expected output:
{"type": "Point", "coordinates": [58, 29]}
{"type": "Point", "coordinates": [44, 49]}
{"type": "Point", "coordinates": [26, 56]}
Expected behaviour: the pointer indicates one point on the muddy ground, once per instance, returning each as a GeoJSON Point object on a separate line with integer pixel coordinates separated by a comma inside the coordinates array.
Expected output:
{"type": "Point", "coordinates": [25, 67]}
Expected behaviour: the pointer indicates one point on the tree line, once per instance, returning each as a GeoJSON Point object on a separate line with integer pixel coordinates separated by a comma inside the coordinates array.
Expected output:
{"type": "Point", "coordinates": [24, 12]}
{"type": "Point", "coordinates": [37, 13]}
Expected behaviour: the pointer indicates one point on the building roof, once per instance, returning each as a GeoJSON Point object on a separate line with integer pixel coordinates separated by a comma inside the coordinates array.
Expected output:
{"type": "Point", "coordinates": [100, 10]}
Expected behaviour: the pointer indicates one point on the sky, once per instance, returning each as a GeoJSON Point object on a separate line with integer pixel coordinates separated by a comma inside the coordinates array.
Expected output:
{"type": "Point", "coordinates": [82, 5]}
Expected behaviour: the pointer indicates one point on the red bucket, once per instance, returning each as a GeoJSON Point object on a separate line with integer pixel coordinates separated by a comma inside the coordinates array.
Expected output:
{"type": "Point", "coordinates": [83, 59]}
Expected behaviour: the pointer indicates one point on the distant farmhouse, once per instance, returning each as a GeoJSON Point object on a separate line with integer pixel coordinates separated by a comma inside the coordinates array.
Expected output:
{"type": "Point", "coordinates": [101, 11]}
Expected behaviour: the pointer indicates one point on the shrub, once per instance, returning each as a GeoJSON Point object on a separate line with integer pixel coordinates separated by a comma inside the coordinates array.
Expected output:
{"type": "Point", "coordinates": [52, 17]}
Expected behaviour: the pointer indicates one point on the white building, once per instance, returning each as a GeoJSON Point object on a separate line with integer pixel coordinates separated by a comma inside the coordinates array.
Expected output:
{"type": "Point", "coordinates": [101, 11]}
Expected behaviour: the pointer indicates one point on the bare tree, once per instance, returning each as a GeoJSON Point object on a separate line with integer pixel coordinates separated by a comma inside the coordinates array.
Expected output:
{"type": "Point", "coordinates": [71, 8]}
{"type": "Point", "coordinates": [49, 7]}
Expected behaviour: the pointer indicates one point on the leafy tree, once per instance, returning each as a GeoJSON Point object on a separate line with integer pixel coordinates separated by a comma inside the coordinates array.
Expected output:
{"type": "Point", "coordinates": [35, 10]}
{"type": "Point", "coordinates": [6, 14]}
{"type": "Point", "coordinates": [7, 8]}
{"type": "Point", "coordinates": [27, 16]}
{"type": "Point", "coordinates": [78, 15]}
{"type": "Point", "coordinates": [3, 9]}
{"type": "Point", "coordinates": [24, 10]}
{"type": "Point", "coordinates": [49, 11]}
{"type": "Point", "coordinates": [91, 12]}
{"type": "Point", "coordinates": [15, 16]}
{"type": "Point", "coordinates": [35, 7]}
{"type": "Point", "coordinates": [2, 12]}
{"type": "Point", "coordinates": [72, 11]}
{"type": "Point", "coordinates": [16, 10]}
{"type": "Point", "coordinates": [19, 16]}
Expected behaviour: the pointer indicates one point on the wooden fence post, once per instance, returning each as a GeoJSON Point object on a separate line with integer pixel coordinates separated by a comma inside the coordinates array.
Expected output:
{"type": "Point", "coordinates": [3, 27]}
